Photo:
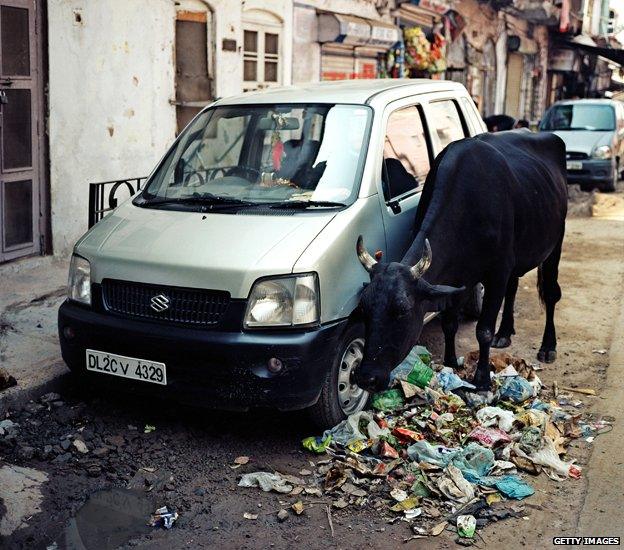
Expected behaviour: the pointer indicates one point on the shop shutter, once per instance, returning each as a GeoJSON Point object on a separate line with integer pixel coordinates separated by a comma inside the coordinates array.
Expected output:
{"type": "Point", "coordinates": [337, 63]}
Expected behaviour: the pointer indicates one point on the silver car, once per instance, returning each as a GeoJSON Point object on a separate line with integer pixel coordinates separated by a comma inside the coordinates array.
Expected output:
{"type": "Point", "coordinates": [593, 131]}
{"type": "Point", "coordinates": [231, 280]}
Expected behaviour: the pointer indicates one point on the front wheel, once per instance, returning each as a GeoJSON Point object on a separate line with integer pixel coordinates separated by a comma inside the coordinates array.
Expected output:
{"type": "Point", "coordinates": [340, 395]}
{"type": "Point", "coordinates": [611, 184]}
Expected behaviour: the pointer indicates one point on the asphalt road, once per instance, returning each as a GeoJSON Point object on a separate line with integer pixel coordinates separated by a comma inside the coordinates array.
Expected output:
{"type": "Point", "coordinates": [53, 495]}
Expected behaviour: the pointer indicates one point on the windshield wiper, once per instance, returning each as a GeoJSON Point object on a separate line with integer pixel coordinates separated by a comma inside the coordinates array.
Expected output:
{"type": "Point", "coordinates": [207, 199]}
{"type": "Point", "coordinates": [305, 204]}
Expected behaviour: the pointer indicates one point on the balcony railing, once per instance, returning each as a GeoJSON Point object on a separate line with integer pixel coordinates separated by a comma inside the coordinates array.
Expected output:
{"type": "Point", "coordinates": [102, 196]}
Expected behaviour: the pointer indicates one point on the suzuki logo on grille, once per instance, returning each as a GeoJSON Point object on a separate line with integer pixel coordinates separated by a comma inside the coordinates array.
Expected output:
{"type": "Point", "coordinates": [159, 303]}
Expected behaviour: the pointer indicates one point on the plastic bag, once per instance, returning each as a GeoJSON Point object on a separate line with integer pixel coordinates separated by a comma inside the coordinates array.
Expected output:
{"type": "Point", "coordinates": [449, 381]}
{"type": "Point", "coordinates": [490, 437]}
{"type": "Point", "coordinates": [423, 451]}
{"type": "Point", "coordinates": [417, 354]}
{"type": "Point", "coordinates": [349, 429]}
{"type": "Point", "coordinates": [530, 440]}
{"type": "Point", "coordinates": [466, 526]}
{"type": "Point", "coordinates": [454, 486]}
{"type": "Point", "coordinates": [515, 389]}
{"type": "Point", "coordinates": [388, 400]}
{"type": "Point", "coordinates": [266, 481]}
{"type": "Point", "coordinates": [317, 444]}
{"type": "Point", "coordinates": [547, 456]}
{"type": "Point", "coordinates": [475, 458]}
{"type": "Point", "coordinates": [495, 416]}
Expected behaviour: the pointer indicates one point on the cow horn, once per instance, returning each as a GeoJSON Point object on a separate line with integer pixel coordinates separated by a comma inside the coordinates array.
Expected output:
{"type": "Point", "coordinates": [364, 255]}
{"type": "Point", "coordinates": [423, 264]}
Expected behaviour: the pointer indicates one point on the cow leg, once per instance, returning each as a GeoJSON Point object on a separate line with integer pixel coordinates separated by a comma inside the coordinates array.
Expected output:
{"type": "Point", "coordinates": [450, 324]}
{"type": "Point", "coordinates": [506, 328]}
{"type": "Point", "coordinates": [492, 301]}
{"type": "Point", "coordinates": [550, 294]}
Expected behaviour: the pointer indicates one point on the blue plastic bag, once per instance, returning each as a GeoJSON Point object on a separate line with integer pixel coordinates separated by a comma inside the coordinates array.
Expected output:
{"type": "Point", "coordinates": [423, 451]}
{"type": "Point", "coordinates": [474, 458]}
{"type": "Point", "coordinates": [449, 381]}
{"type": "Point", "coordinates": [510, 485]}
{"type": "Point", "coordinates": [515, 389]}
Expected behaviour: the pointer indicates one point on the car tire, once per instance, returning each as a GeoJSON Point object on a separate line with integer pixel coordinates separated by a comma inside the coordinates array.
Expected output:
{"type": "Point", "coordinates": [610, 185]}
{"type": "Point", "coordinates": [340, 397]}
{"type": "Point", "coordinates": [473, 305]}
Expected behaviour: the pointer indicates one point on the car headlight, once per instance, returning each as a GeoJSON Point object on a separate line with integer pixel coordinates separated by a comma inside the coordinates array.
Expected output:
{"type": "Point", "coordinates": [283, 302]}
{"type": "Point", "coordinates": [602, 152]}
{"type": "Point", "coordinates": [79, 283]}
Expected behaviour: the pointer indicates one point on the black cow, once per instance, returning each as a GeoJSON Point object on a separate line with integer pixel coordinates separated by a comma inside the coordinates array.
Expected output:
{"type": "Point", "coordinates": [493, 208]}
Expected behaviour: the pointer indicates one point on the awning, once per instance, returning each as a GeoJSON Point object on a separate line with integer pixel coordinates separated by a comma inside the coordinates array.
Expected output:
{"type": "Point", "coordinates": [612, 54]}
{"type": "Point", "coordinates": [356, 31]}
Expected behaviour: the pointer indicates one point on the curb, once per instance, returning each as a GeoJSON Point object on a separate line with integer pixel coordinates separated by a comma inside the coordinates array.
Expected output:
{"type": "Point", "coordinates": [16, 397]}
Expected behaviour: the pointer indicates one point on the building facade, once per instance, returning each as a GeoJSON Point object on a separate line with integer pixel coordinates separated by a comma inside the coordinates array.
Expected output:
{"type": "Point", "coordinates": [94, 91]}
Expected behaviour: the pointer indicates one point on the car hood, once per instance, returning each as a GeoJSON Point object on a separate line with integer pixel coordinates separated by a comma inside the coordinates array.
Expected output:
{"type": "Point", "coordinates": [583, 141]}
{"type": "Point", "coordinates": [192, 249]}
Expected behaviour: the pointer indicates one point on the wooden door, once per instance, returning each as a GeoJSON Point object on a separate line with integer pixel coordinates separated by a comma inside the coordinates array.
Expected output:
{"type": "Point", "coordinates": [20, 130]}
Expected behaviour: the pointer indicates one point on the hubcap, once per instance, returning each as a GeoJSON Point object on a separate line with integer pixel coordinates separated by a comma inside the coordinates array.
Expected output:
{"type": "Point", "coordinates": [350, 396]}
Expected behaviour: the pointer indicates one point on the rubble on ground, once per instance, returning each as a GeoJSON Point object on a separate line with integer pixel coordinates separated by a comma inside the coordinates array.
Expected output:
{"type": "Point", "coordinates": [438, 456]}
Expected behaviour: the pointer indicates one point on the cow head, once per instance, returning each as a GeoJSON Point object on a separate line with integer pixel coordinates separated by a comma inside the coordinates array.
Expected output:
{"type": "Point", "coordinates": [393, 307]}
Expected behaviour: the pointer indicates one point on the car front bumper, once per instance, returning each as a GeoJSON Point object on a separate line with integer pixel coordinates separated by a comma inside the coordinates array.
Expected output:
{"type": "Point", "coordinates": [217, 369]}
{"type": "Point", "coordinates": [594, 171]}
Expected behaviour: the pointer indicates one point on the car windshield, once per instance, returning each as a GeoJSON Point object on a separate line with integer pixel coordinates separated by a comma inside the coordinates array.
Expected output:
{"type": "Point", "coordinates": [296, 155]}
{"type": "Point", "coordinates": [579, 116]}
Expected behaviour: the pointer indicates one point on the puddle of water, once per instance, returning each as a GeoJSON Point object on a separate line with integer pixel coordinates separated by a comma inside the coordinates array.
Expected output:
{"type": "Point", "coordinates": [109, 519]}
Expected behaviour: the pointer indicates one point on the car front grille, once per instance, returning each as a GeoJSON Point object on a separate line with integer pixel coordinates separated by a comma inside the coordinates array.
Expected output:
{"type": "Point", "coordinates": [187, 306]}
{"type": "Point", "coordinates": [573, 155]}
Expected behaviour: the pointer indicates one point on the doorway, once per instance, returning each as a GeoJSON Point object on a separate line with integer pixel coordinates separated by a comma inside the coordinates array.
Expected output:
{"type": "Point", "coordinates": [194, 64]}
{"type": "Point", "coordinates": [21, 131]}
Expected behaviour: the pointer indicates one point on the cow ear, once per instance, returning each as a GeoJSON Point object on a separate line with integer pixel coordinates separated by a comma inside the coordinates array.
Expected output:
{"type": "Point", "coordinates": [438, 297]}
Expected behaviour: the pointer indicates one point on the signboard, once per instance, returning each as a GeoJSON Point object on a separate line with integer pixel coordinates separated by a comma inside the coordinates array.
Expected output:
{"type": "Point", "coordinates": [563, 60]}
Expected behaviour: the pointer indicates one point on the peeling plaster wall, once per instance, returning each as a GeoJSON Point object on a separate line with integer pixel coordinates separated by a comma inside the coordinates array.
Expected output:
{"type": "Point", "coordinates": [111, 78]}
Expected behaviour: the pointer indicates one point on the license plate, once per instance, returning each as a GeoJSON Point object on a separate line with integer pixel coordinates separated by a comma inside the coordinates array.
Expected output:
{"type": "Point", "coordinates": [126, 367]}
{"type": "Point", "coordinates": [574, 165]}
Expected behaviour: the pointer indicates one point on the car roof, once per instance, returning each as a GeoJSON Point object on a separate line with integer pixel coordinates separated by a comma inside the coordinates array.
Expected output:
{"type": "Point", "coordinates": [341, 91]}
{"type": "Point", "coordinates": [596, 101]}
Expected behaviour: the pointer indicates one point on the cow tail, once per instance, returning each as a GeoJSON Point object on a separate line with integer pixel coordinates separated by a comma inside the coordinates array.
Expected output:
{"type": "Point", "coordinates": [540, 284]}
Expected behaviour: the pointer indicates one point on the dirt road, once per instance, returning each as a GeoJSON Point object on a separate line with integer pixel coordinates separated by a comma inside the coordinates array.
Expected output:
{"type": "Point", "coordinates": [188, 455]}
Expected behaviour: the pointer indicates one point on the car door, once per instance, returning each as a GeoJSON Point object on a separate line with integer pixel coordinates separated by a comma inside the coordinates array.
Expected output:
{"type": "Point", "coordinates": [406, 156]}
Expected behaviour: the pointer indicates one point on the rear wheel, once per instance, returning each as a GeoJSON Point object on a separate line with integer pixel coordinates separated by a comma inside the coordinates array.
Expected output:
{"type": "Point", "coordinates": [340, 396]}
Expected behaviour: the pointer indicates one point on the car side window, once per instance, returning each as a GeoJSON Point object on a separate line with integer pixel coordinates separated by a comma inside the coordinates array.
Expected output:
{"type": "Point", "coordinates": [406, 152]}
{"type": "Point", "coordinates": [470, 115]}
{"type": "Point", "coordinates": [446, 121]}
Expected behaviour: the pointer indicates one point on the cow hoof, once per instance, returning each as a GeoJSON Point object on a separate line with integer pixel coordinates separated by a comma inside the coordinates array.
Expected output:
{"type": "Point", "coordinates": [501, 342]}
{"type": "Point", "coordinates": [547, 356]}
{"type": "Point", "coordinates": [481, 381]}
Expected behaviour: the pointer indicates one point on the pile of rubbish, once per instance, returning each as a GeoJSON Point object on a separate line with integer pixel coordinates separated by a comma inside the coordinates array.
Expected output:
{"type": "Point", "coordinates": [438, 456]}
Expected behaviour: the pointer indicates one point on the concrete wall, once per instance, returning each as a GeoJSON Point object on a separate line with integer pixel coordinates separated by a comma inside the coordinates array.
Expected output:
{"type": "Point", "coordinates": [111, 79]}
{"type": "Point", "coordinates": [111, 83]}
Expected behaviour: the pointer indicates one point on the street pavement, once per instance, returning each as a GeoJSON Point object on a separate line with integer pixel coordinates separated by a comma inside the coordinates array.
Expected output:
{"type": "Point", "coordinates": [54, 494]}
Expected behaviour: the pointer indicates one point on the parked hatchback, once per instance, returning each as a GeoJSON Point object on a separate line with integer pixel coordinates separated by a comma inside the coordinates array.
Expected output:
{"type": "Point", "coordinates": [593, 131]}
{"type": "Point", "coordinates": [231, 280]}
